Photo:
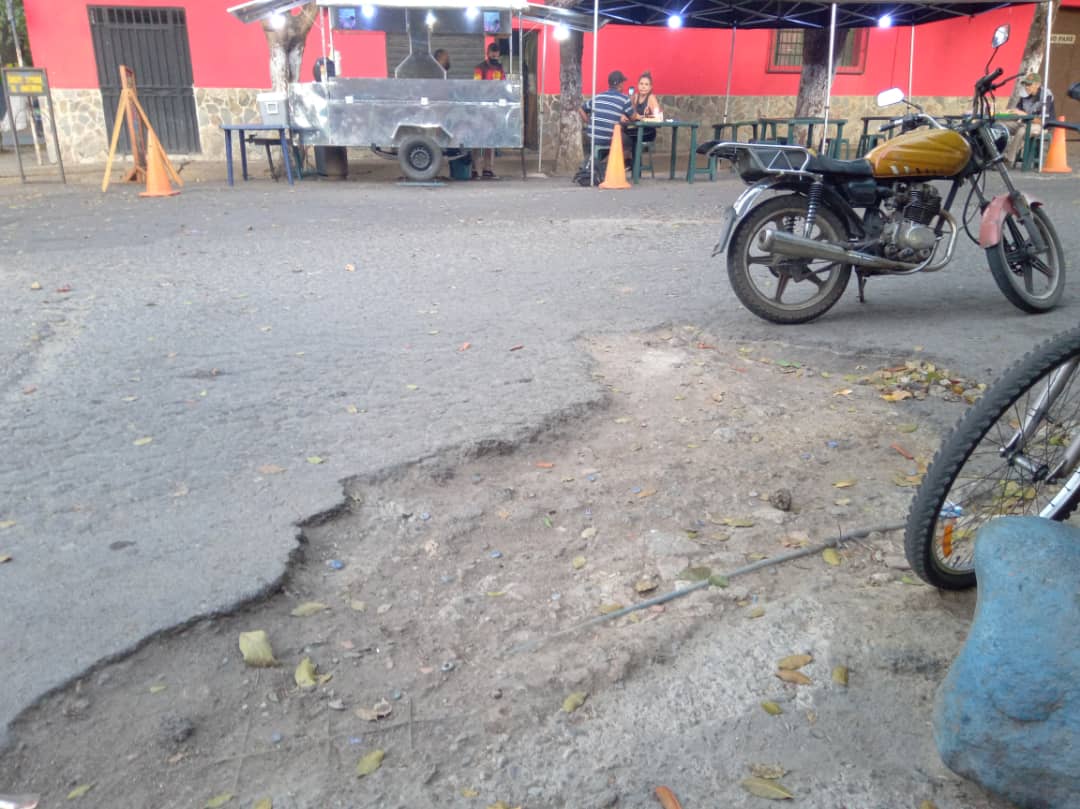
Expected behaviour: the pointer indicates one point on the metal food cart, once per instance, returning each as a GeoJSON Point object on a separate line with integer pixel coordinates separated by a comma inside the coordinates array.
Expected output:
{"type": "Point", "coordinates": [418, 114]}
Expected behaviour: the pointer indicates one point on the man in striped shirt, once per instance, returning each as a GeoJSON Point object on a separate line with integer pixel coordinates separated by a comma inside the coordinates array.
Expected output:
{"type": "Point", "coordinates": [612, 107]}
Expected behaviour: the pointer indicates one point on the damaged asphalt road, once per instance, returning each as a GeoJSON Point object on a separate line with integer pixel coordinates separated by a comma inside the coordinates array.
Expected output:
{"type": "Point", "coordinates": [196, 376]}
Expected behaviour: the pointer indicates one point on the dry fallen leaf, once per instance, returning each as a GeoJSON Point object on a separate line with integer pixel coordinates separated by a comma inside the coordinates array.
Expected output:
{"type": "Point", "coordinates": [5, 558]}
{"type": "Point", "coordinates": [844, 392]}
{"type": "Point", "coordinates": [314, 459]}
{"type": "Point", "coordinates": [574, 701]}
{"type": "Point", "coordinates": [645, 585]}
{"type": "Point", "coordinates": [545, 465]}
{"type": "Point", "coordinates": [255, 647]}
{"type": "Point", "coordinates": [927, 805]}
{"type": "Point", "coordinates": [793, 677]}
{"type": "Point", "coordinates": [907, 428]}
{"type": "Point", "coordinates": [219, 800]}
{"type": "Point", "coordinates": [793, 662]}
{"type": "Point", "coordinates": [369, 763]}
{"type": "Point", "coordinates": [607, 609]}
{"type": "Point", "coordinates": [589, 533]}
{"type": "Point", "coordinates": [844, 484]}
{"type": "Point", "coordinates": [157, 688]}
{"type": "Point", "coordinates": [308, 608]}
{"type": "Point", "coordinates": [831, 556]}
{"type": "Point", "coordinates": [667, 798]}
{"type": "Point", "coordinates": [578, 562]}
{"type": "Point", "coordinates": [305, 674]}
{"type": "Point", "coordinates": [7, 524]}
{"type": "Point", "coordinates": [765, 788]}
{"type": "Point", "coordinates": [756, 612]}
{"type": "Point", "coordinates": [263, 803]}
{"type": "Point", "coordinates": [142, 442]}
{"type": "Point", "coordinates": [772, 708]}
{"type": "Point", "coordinates": [270, 469]}
{"type": "Point", "coordinates": [79, 791]}
{"type": "Point", "coordinates": [647, 493]}
{"type": "Point", "coordinates": [896, 396]}
{"type": "Point", "coordinates": [469, 792]}
{"type": "Point", "coordinates": [840, 675]}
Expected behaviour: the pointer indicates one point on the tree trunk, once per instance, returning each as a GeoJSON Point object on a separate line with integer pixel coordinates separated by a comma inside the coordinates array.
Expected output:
{"type": "Point", "coordinates": [1034, 50]}
{"type": "Point", "coordinates": [813, 82]}
{"type": "Point", "coordinates": [568, 154]}
{"type": "Point", "coordinates": [287, 45]}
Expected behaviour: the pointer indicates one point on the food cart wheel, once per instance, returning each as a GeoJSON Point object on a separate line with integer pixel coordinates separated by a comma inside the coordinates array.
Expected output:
{"type": "Point", "coordinates": [420, 157]}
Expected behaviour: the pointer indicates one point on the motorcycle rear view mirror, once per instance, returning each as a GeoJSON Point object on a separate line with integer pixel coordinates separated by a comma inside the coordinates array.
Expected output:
{"type": "Point", "coordinates": [886, 98]}
{"type": "Point", "coordinates": [1001, 36]}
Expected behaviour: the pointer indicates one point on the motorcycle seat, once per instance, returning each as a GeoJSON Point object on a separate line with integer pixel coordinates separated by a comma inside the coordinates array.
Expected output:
{"type": "Point", "coordinates": [847, 168]}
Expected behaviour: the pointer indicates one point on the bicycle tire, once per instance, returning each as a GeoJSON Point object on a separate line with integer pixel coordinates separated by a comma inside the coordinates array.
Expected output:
{"type": "Point", "coordinates": [920, 540]}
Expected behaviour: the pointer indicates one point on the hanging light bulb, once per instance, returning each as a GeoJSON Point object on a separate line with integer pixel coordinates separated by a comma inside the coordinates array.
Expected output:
{"type": "Point", "coordinates": [368, 11]}
{"type": "Point", "coordinates": [472, 12]}
{"type": "Point", "coordinates": [885, 21]}
{"type": "Point", "coordinates": [674, 21]}
{"type": "Point", "coordinates": [277, 20]}
{"type": "Point", "coordinates": [430, 20]}
{"type": "Point", "coordinates": [562, 33]}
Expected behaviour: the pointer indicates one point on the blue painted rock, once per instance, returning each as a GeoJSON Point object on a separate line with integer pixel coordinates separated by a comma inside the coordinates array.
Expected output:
{"type": "Point", "coordinates": [1007, 715]}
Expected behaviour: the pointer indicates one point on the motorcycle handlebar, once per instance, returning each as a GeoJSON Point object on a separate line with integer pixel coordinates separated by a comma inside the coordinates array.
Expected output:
{"type": "Point", "coordinates": [986, 83]}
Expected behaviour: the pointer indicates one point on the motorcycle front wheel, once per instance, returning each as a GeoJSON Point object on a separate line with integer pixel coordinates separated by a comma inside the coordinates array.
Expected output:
{"type": "Point", "coordinates": [785, 289]}
{"type": "Point", "coordinates": [1032, 282]}
{"type": "Point", "coordinates": [988, 468]}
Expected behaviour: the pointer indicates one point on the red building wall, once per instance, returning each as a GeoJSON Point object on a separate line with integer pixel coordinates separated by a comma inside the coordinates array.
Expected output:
{"type": "Point", "coordinates": [228, 53]}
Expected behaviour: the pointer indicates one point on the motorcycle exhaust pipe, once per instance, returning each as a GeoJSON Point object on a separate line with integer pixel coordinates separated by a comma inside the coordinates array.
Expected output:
{"type": "Point", "coordinates": [788, 244]}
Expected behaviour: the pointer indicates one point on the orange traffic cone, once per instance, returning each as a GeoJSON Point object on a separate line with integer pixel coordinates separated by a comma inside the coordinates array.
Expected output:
{"type": "Point", "coordinates": [1056, 162]}
{"type": "Point", "coordinates": [615, 176]}
{"type": "Point", "coordinates": [157, 174]}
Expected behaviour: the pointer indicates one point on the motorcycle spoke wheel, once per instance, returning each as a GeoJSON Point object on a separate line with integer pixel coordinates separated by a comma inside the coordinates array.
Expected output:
{"type": "Point", "coordinates": [1033, 282]}
{"type": "Point", "coordinates": [784, 289]}
{"type": "Point", "coordinates": [986, 469]}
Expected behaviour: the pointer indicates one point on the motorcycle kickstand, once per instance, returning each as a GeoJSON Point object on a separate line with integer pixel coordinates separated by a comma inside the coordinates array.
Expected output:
{"type": "Point", "coordinates": [861, 277]}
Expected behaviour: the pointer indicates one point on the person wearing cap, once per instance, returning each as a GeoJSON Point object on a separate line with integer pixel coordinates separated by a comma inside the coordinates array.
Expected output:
{"type": "Point", "coordinates": [1031, 103]}
{"type": "Point", "coordinates": [490, 69]}
{"type": "Point", "coordinates": [612, 107]}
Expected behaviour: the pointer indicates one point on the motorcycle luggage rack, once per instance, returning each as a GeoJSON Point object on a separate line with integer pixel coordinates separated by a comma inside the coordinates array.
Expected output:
{"type": "Point", "coordinates": [756, 160]}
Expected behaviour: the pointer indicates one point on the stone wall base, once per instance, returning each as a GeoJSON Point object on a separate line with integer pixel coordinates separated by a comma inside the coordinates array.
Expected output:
{"type": "Point", "coordinates": [83, 138]}
{"type": "Point", "coordinates": [709, 110]}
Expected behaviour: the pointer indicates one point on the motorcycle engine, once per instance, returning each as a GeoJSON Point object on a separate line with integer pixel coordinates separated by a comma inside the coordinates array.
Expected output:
{"type": "Point", "coordinates": [907, 236]}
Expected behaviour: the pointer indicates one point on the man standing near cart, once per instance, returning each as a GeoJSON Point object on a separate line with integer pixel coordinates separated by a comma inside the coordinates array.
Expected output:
{"type": "Point", "coordinates": [490, 69]}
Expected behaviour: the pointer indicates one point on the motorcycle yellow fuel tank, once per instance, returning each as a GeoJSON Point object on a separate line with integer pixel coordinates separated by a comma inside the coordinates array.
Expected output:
{"type": "Point", "coordinates": [925, 153]}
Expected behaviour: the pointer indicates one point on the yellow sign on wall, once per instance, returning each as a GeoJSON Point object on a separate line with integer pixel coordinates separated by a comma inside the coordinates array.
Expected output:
{"type": "Point", "coordinates": [26, 82]}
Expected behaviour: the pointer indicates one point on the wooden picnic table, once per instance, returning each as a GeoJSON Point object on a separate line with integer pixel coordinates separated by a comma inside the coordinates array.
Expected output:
{"type": "Point", "coordinates": [720, 130]}
{"type": "Point", "coordinates": [868, 140]}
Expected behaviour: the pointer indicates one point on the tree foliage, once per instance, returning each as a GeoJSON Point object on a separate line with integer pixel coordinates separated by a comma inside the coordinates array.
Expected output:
{"type": "Point", "coordinates": [7, 41]}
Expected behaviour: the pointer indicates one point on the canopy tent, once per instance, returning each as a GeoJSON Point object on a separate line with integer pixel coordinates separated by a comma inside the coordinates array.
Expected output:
{"type": "Point", "coordinates": [784, 13]}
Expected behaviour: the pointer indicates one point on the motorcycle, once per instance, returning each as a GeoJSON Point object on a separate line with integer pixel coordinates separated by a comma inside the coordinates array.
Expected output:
{"type": "Point", "coordinates": [790, 255]}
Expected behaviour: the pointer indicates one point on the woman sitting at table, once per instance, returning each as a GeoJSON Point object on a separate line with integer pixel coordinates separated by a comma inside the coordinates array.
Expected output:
{"type": "Point", "coordinates": [645, 107]}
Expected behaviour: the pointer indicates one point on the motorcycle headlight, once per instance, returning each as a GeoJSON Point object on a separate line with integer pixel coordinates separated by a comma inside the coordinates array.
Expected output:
{"type": "Point", "coordinates": [1001, 136]}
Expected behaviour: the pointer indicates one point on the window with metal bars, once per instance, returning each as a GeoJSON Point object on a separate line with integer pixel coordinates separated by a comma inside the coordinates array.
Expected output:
{"type": "Point", "coordinates": [786, 46]}
{"type": "Point", "coordinates": [127, 15]}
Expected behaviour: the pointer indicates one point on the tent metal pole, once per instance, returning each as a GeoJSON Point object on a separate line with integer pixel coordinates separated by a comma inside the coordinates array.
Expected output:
{"type": "Point", "coordinates": [911, 64]}
{"type": "Point", "coordinates": [543, 76]}
{"type": "Point", "coordinates": [592, 118]}
{"type": "Point", "coordinates": [1046, 79]}
{"type": "Point", "coordinates": [828, 77]}
{"type": "Point", "coordinates": [730, 66]}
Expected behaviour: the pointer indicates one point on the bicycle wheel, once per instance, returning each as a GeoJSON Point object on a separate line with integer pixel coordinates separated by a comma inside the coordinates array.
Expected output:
{"type": "Point", "coordinates": [988, 467]}
{"type": "Point", "coordinates": [1033, 282]}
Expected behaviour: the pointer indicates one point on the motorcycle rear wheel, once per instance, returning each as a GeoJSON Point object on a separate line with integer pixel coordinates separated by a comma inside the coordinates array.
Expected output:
{"type": "Point", "coordinates": [1031, 283]}
{"type": "Point", "coordinates": [972, 480]}
{"type": "Point", "coordinates": [761, 280]}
